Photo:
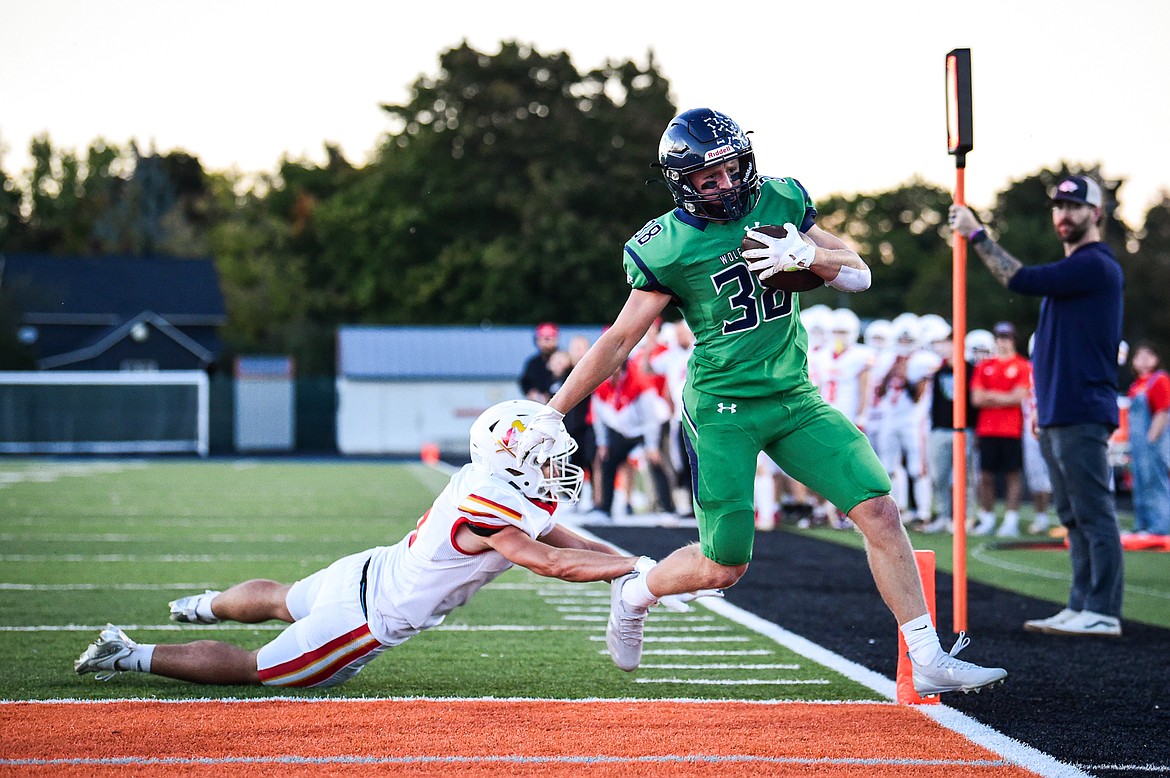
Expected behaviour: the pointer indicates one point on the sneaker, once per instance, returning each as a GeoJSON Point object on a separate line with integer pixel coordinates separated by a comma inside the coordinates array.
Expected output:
{"type": "Point", "coordinates": [941, 524]}
{"type": "Point", "coordinates": [1008, 529]}
{"type": "Point", "coordinates": [983, 526]}
{"type": "Point", "coordinates": [948, 674]}
{"type": "Point", "coordinates": [187, 609]}
{"type": "Point", "coordinates": [1039, 525]}
{"type": "Point", "coordinates": [103, 654]}
{"type": "Point", "coordinates": [623, 634]}
{"type": "Point", "coordinates": [1042, 625]}
{"type": "Point", "coordinates": [1088, 623]}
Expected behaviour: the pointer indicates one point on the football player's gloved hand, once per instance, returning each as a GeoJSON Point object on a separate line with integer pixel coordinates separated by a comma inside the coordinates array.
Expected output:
{"type": "Point", "coordinates": [644, 565]}
{"type": "Point", "coordinates": [680, 603]}
{"type": "Point", "coordinates": [779, 255]}
{"type": "Point", "coordinates": [536, 441]}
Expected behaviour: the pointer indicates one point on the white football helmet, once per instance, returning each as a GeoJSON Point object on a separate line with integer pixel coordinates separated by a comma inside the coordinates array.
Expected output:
{"type": "Point", "coordinates": [933, 327]}
{"type": "Point", "coordinates": [878, 334]}
{"type": "Point", "coordinates": [816, 322]}
{"type": "Point", "coordinates": [907, 334]}
{"type": "Point", "coordinates": [493, 440]}
{"type": "Point", "coordinates": [978, 345]}
{"type": "Point", "coordinates": [844, 323]}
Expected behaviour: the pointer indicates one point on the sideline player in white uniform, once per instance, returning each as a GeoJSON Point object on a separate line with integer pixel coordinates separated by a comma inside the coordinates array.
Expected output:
{"type": "Point", "coordinates": [901, 386]}
{"type": "Point", "coordinates": [878, 338]}
{"type": "Point", "coordinates": [493, 514]}
{"type": "Point", "coordinates": [846, 367]}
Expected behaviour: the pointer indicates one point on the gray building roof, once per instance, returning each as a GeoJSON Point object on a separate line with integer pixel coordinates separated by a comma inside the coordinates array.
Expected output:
{"type": "Point", "coordinates": [419, 353]}
{"type": "Point", "coordinates": [101, 313]}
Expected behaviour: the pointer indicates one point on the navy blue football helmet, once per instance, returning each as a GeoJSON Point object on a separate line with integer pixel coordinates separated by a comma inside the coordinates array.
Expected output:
{"type": "Point", "coordinates": [700, 138]}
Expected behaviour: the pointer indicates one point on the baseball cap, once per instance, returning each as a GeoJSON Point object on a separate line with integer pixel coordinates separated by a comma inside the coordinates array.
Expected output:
{"type": "Point", "coordinates": [547, 330]}
{"type": "Point", "coordinates": [1005, 329]}
{"type": "Point", "coordinates": [1077, 189]}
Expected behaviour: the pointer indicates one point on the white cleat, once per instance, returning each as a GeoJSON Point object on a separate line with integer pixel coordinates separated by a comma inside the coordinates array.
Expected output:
{"type": "Point", "coordinates": [1009, 529]}
{"type": "Point", "coordinates": [1039, 525]}
{"type": "Point", "coordinates": [623, 633]}
{"type": "Point", "coordinates": [104, 654]}
{"type": "Point", "coordinates": [948, 674]}
{"type": "Point", "coordinates": [982, 527]}
{"type": "Point", "coordinates": [195, 609]}
{"type": "Point", "coordinates": [1044, 625]}
{"type": "Point", "coordinates": [1088, 623]}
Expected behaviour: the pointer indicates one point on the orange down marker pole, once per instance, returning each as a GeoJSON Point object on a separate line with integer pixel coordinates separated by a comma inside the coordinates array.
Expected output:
{"type": "Point", "coordinates": [959, 441]}
{"type": "Point", "coordinates": [959, 142]}
{"type": "Point", "coordinates": [905, 679]}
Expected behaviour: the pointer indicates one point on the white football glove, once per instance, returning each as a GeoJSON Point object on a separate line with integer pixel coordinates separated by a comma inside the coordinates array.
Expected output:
{"type": "Point", "coordinates": [679, 603]}
{"type": "Point", "coordinates": [536, 441]}
{"type": "Point", "coordinates": [779, 255]}
{"type": "Point", "coordinates": [644, 565]}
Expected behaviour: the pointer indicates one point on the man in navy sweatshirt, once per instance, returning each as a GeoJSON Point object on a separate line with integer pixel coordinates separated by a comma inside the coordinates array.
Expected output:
{"type": "Point", "coordinates": [1075, 369]}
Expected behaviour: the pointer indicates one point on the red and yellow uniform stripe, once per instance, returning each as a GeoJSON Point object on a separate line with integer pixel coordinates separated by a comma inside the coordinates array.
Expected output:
{"type": "Point", "coordinates": [316, 667]}
{"type": "Point", "coordinates": [474, 505]}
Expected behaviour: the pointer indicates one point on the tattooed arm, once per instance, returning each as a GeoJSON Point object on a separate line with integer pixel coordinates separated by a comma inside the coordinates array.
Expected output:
{"type": "Point", "coordinates": [1001, 264]}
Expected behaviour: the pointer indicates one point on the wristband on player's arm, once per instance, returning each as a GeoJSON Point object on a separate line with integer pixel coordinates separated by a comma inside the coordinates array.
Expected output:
{"type": "Point", "coordinates": [978, 236]}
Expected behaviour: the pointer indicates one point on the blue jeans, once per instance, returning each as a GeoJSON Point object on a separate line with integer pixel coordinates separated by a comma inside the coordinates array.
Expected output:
{"type": "Point", "coordinates": [1151, 471]}
{"type": "Point", "coordinates": [1082, 494]}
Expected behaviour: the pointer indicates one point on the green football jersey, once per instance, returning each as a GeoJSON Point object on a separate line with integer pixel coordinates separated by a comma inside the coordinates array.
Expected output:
{"type": "Point", "coordinates": [749, 341]}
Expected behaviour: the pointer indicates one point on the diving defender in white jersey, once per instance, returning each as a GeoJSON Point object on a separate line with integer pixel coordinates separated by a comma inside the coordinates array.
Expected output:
{"type": "Point", "coordinates": [493, 514]}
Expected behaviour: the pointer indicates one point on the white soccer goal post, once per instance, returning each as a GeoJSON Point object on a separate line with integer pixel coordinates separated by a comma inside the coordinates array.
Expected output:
{"type": "Point", "coordinates": [99, 412]}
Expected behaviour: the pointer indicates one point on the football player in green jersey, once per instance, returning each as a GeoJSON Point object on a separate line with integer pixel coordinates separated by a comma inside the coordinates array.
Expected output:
{"type": "Point", "coordinates": [747, 385]}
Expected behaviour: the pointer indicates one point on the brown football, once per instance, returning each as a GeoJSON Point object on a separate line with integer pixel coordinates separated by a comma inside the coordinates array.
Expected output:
{"type": "Point", "coordinates": [791, 281]}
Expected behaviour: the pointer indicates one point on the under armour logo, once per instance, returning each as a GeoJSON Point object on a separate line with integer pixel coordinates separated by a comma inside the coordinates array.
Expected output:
{"type": "Point", "coordinates": [723, 407]}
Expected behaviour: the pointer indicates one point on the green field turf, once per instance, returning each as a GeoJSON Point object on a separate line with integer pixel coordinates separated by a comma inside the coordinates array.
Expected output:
{"type": "Point", "coordinates": [1040, 572]}
{"type": "Point", "coordinates": [91, 541]}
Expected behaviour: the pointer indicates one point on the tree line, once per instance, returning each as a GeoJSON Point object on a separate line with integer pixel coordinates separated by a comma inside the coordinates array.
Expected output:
{"type": "Point", "coordinates": [501, 193]}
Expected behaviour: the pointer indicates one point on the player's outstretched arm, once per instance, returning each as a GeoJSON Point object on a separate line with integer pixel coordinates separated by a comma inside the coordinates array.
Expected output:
{"type": "Point", "coordinates": [561, 536]}
{"type": "Point", "coordinates": [611, 349]}
{"type": "Point", "coordinates": [567, 564]}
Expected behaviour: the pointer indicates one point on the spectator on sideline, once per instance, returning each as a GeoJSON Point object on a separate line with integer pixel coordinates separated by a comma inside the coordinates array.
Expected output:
{"type": "Point", "coordinates": [1035, 468]}
{"type": "Point", "coordinates": [626, 416]}
{"type": "Point", "coordinates": [999, 389]}
{"type": "Point", "coordinates": [653, 344]}
{"type": "Point", "coordinates": [748, 387]}
{"type": "Point", "coordinates": [1075, 368]}
{"type": "Point", "coordinates": [493, 514]}
{"type": "Point", "coordinates": [579, 424]}
{"type": "Point", "coordinates": [1149, 442]}
{"type": "Point", "coordinates": [536, 378]}
{"type": "Point", "coordinates": [672, 363]}
{"type": "Point", "coordinates": [940, 443]}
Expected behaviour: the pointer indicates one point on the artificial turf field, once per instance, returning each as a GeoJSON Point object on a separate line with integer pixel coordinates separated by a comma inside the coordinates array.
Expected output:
{"type": "Point", "coordinates": [516, 682]}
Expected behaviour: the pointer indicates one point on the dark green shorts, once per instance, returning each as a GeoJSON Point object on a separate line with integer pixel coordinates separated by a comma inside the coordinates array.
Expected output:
{"type": "Point", "coordinates": [808, 438]}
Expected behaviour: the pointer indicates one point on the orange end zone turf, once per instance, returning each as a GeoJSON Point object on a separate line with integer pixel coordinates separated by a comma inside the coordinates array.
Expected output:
{"type": "Point", "coordinates": [485, 738]}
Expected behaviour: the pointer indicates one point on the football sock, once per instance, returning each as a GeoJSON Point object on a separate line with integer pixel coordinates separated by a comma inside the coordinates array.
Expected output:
{"type": "Point", "coordinates": [921, 639]}
{"type": "Point", "coordinates": [203, 606]}
{"type": "Point", "coordinates": [140, 658]}
{"type": "Point", "coordinates": [636, 593]}
{"type": "Point", "coordinates": [765, 496]}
